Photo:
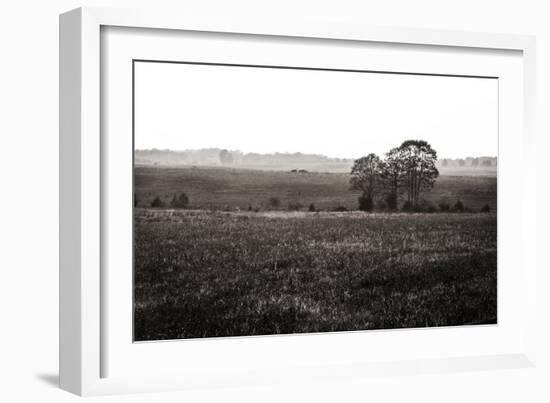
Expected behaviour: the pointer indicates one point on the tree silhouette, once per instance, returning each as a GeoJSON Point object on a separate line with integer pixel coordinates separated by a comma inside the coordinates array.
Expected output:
{"type": "Point", "coordinates": [366, 176]}
{"type": "Point", "coordinates": [392, 174]}
{"type": "Point", "coordinates": [419, 160]}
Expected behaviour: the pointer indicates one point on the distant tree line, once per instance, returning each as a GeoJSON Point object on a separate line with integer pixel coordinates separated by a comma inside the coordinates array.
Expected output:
{"type": "Point", "coordinates": [406, 171]}
{"type": "Point", "coordinates": [282, 161]}
{"type": "Point", "coordinates": [471, 162]}
{"type": "Point", "coordinates": [234, 158]}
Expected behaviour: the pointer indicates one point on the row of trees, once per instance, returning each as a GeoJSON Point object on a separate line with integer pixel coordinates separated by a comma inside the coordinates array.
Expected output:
{"type": "Point", "coordinates": [406, 171]}
{"type": "Point", "coordinates": [484, 162]}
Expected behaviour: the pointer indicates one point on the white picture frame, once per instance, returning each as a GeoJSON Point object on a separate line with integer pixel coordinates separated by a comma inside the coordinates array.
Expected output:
{"type": "Point", "coordinates": [82, 307]}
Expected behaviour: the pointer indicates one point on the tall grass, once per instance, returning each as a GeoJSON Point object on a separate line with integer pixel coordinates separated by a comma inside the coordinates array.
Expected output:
{"type": "Point", "coordinates": [208, 274]}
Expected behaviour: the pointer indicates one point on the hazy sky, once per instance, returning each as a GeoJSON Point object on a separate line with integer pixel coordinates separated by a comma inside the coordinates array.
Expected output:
{"type": "Point", "coordinates": [338, 114]}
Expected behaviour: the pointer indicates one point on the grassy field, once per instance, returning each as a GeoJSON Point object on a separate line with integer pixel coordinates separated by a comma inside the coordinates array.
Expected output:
{"type": "Point", "coordinates": [229, 189]}
{"type": "Point", "coordinates": [213, 273]}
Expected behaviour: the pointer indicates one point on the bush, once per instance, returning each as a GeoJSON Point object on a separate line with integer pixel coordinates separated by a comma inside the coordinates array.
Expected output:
{"type": "Point", "coordinates": [340, 208]}
{"type": "Point", "coordinates": [180, 202]}
{"type": "Point", "coordinates": [365, 203]}
{"type": "Point", "coordinates": [459, 206]}
{"type": "Point", "coordinates": [427, 207]}
{"type": "Point", "coordinates": [274, 202]}
{"type": "Point", "coordinates": [444, 206]}
{"type": "Point", "coordinates": [423, 207]}
{"type": "Point", "coordinates": [311, 207]}
{"type": "Point", "coordinates": [157, 202]}
{"type": "Point", "coordinates": [408, 206]}
{"type": "Point", "coordinates": [485, 209]}
{"type": "Point", "coordinates": [391, 202]}
{"type": "Point", "coordinates": [294, 206]}
{"type": "Point", "coordinates": [381, 205]}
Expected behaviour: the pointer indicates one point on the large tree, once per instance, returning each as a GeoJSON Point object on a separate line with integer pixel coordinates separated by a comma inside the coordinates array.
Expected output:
{"type": "Point", "coordinates": [393, 176]}
{"type": "Point", "coordinates": [366, 177]}
{"type": "Point", "coordinates": [419, 160]}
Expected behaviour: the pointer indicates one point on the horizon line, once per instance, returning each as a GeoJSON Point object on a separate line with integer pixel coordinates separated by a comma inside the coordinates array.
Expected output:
{"type": "Point", "coordinates": [289, 153]}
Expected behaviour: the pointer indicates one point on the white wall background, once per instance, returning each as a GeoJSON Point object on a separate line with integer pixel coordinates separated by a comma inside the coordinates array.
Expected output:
{"type": "Point", "coordinates": [29, 201]}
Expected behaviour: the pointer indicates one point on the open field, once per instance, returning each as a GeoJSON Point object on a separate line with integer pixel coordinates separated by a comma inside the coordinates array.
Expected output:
{"type": "Point", "coordinates": [208, 273]}
{"type": "Point", "coordinates": [231, 189]}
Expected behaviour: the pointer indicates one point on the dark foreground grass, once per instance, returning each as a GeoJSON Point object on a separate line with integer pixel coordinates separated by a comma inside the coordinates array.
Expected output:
{"type": "Point", "coordinates": [208, 274]}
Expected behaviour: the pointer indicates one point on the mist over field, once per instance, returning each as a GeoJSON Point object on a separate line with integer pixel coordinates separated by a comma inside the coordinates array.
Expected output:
{"type": "Point", "coordinates": [285, 161]}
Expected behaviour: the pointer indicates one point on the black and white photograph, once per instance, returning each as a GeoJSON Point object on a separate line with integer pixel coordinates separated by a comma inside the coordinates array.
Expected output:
{"type": "Point", "coordinates": [275, 200]}
{"type": "Point", "coordinates": [278, 201]}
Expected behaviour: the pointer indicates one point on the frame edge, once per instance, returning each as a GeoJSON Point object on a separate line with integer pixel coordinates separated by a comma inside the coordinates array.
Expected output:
{"type": "Point", "coordinates": [70, 119]}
